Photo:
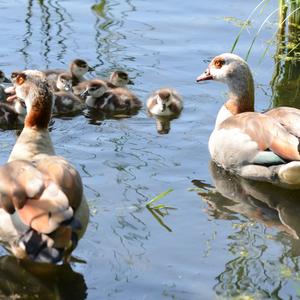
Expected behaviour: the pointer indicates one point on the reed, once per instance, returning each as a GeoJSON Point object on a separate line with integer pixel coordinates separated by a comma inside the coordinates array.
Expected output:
{"type": "Point", "coordinates": [286, 76]}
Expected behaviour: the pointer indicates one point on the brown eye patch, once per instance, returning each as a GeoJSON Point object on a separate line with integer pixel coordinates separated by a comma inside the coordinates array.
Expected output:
{"type": "Point", "coordinates": [218, 62]}
{"type": "Point", "coordinates": [20, 78]}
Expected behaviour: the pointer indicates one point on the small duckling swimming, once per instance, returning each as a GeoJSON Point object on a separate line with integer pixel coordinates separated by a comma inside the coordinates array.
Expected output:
{"type": "Point", "coordinates": [119, 99]}
{"type": "Point", "coordinates": [165, 102]}
{"type": "Point", "coordinates": [12, 113]}
{"type": "Point", "coordinates": [64, 82]}
{"type": "Point", "coordinates": [66, 103]}
{"type": "Point", "coordinates": [116, 79]}
{"type": "Point", "coordinates": [3, 80]}
{"type": "Point", "coordinates": [77, 69]}
{"type": "Point", "coordinates": [119, 79]}
{"type": "Point", "coordinates": [64, 100]}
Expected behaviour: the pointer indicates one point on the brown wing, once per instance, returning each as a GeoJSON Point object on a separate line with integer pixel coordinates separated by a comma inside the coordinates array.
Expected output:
{"type": "Point", "coordinates": [266, 132]}
{"type": "Point", "coordinates": [289, 117]}
{"type": "Point", "coordinates": [44, 193]}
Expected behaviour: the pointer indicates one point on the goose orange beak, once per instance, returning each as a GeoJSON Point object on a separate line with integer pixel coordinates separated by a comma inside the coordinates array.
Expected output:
{"type": "Point", "coordinates": [204, 76]}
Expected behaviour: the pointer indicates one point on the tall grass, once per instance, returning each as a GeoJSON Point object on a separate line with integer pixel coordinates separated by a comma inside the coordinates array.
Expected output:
{"type": "Point", "coordinates": [286, 77]}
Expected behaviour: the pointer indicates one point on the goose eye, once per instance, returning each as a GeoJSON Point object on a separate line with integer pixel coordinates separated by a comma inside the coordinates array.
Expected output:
{"type": "Point", "coordinates": [219, 63]}
{"type": "Point", "coordinates": [20, 79]}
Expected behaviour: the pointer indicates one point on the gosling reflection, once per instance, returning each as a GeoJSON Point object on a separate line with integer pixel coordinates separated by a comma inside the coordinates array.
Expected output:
{"type": "Point", "coordinates": [21, 279]}
{"type": "Point", "coordinates": [263, 202]}
{"type": "Point", "coordinates": [163, 124]}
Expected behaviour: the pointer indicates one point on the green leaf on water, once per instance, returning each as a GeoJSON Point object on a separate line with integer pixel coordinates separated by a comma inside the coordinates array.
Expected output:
{"type": "Point", "coordinates": [158, 197]}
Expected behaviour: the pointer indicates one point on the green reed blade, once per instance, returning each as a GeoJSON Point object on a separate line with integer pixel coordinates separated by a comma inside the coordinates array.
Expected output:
{"type": "Point", "coordinates": [259, 30]}
{"type": "Point", "coordinates": [247, 22]}
{"type": "Point", "coordinates": [160, 196]}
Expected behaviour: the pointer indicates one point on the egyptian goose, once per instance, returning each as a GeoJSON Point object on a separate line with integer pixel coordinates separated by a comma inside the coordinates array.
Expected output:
{"type": "Point", "coordinates": [77, 69]}
{"type": "Point", "coordinates": [101, 97]}
{"type": "Point", "coordinates": [165, 102]}
{"type": "Point", "coordinates": [119, 79]}
{"type": "Point", "coordinates": [259, 146]}
{"type": "Point", "coordinates": [116, 79]}
{"type": "Point", "coordinates": [65, 102]}
{"type": "Point", "coordinates": [43, 210]}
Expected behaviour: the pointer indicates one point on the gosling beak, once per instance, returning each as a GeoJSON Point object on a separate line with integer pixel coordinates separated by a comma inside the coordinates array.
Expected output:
{"type": "Point", "coordinates": [130, 82]}
{"type": "Point", "coordinates": [91, 69]}
{"type": "Point", "coordinates": [6, 80]}
{"type": "Point", "coordinates": [205, 76]}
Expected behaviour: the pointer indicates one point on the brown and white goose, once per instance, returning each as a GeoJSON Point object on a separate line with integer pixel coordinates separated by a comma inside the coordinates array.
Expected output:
{"type": "Point", "coordinates": [43, 209]}
{"type": "Point", "coordinates": [165, 102]}
{"type": "Point", "coordinates": [259, 146]}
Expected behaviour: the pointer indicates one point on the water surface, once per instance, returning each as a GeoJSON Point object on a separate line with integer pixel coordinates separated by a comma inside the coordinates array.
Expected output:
{"type": "Point", "coordinates": [212, 247]}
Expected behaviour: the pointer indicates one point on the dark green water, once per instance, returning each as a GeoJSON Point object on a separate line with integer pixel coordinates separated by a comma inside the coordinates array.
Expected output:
{"type": "Point", "coordinates": [233, 242]}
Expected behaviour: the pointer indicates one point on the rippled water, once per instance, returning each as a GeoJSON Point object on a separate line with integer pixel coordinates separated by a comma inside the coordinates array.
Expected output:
{"type": "Point", "coordinates": [218, 244]}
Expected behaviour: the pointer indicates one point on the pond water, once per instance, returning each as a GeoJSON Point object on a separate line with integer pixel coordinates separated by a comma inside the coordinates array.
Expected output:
{"type": "Point", "coordinates": [219, 243]}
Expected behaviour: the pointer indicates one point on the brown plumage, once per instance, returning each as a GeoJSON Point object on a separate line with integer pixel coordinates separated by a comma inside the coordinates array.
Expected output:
{"type": "Point", "coordinates": [243, 139]}
{"type": "Point", "coordinates": [41, 190]}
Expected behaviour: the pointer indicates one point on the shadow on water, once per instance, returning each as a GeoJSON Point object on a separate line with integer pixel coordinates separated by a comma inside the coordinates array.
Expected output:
{"type": "Point", "coordinates": [286, 78]}
{"type": "Point", "coordinates": [254, 271]}
{"type": "Point", "coordinates": [29, 280]}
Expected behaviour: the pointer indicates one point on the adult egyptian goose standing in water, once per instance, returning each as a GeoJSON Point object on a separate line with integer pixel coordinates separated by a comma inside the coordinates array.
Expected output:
{"type": "Point", "coordinates": [43, 210]}
{"type": "Point", "coordinates": [259, 146]}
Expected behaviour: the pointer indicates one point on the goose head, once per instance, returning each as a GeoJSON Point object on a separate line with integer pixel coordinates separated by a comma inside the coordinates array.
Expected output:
{"type": "Point", "coordinates": [95, 89]}
{"type": "Point", "coordinates": [120, 78]}
{"type": "Point", "coordinates": [64, 82]}
{"type": "Point", "coordinates": [37, 97]}
{"type": "Point", "coordinates": [231, 70]}
{"type": "Point", "coordinates": [79, 67]}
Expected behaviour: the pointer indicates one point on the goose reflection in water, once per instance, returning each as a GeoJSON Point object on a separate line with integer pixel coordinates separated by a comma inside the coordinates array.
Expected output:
{"type": "Point", "coordinates": [22, 279]}
{"type": "Point", "coordinates": [259, 201]}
